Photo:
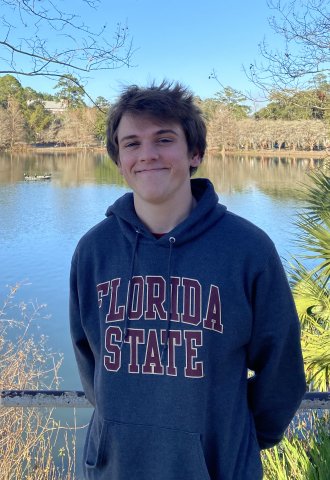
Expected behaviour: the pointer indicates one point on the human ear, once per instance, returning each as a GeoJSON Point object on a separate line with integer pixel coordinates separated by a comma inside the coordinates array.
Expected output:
{"type": "Point", "coordinates": [195, 160]}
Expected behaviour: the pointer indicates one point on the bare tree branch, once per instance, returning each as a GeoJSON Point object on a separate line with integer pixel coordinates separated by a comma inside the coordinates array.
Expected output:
{"type": "Point", "coordinates": [32, 35]}
{"type": "Point", "coordinates": [304, 26]}
{"type": "Point", "coordinates": [251, 97]}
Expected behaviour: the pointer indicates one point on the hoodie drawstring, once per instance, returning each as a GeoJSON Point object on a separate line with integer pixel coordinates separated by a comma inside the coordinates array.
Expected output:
{"type": "Point", "coordinates": [168, 299]}
{"type": "Point", "coordinates": [168, 295]}
{"type": "Point", "coordinates": [130, 293]}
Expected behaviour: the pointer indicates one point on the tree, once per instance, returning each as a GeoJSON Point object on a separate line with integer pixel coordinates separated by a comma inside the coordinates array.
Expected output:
{"type": "Point", "coordinates": [70, 91]}
{"type": "Point", "coordinates": [304, 27]}
{"type": "Point", "coordinates": [16, 122]}
{"type": "Point", "coordinates": [233, 100]}
{"type": "Point", "coordinates": [103, 106]}
{"type": "Point", "coordinates": [36, 51]}
{"type": "Point", "coordinates": [309, 104]}
{"type": "Point", "coordinates": [77, 127]}
{"type": "Point", "coordinates": [39, 120]}
{"type": "Point", "coordinates": [25, 111]}
{"type": "Point", "coordinates": [5, 134]}
{"type": "Point", "coordinates": [102, 103]}
{"type": "Point", "coordinates": [10, 87]}
{"type": "Point", "coordinates": [222, 129]}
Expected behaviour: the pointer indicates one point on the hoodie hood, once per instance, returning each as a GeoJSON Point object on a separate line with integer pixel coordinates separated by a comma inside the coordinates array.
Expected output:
{"type": "Point", "coordinates": [204, 215]}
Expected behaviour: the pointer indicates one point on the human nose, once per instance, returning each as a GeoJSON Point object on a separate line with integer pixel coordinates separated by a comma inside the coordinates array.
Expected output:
{"type": "Point", "coordinates": [148, 152]}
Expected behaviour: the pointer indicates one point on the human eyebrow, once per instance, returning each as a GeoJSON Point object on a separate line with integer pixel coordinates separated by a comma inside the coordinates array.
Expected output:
{"type": "Point", "coordinates": [128, 137]}
{"type": "Point", "coordinates": [165, 131]}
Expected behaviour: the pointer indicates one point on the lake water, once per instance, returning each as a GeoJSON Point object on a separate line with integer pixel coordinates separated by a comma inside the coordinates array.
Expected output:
{"type": "Point", "coordinates": [41, 222]}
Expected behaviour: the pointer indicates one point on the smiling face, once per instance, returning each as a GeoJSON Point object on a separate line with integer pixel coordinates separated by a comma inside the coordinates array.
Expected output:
{"type": "Point", "coordinates": [154, 160]}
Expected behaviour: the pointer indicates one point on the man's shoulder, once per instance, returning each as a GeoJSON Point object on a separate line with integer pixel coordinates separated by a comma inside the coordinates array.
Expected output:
{"type": "Point", "coordinates": [98, 232]}
{"type": "Point", "coordinates": [242, 234]}
{"type": "Point", "coordinates": [243, 224]}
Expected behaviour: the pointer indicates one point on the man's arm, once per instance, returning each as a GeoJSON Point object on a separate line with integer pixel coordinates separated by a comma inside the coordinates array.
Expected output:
{"type": "Point", "coordinates": [84, 355]}
{"type": "Point", "coordinates": [274, 354]}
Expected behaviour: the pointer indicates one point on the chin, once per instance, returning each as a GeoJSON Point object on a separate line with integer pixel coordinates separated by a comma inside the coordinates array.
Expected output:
{"type": "Point", "coordinates": [153, 198]}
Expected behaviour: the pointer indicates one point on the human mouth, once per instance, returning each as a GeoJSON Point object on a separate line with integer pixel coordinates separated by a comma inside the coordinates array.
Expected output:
{"type": "Point", "coordinates": [147, 170]}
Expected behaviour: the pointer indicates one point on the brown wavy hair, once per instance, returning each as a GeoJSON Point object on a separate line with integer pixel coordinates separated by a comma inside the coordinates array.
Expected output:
{"type": "Point", "coordinates": [166, 102]}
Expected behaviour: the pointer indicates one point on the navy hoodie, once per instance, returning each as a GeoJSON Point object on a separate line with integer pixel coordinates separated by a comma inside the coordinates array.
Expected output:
{"type": "Point", "coordinates": [165, 330]}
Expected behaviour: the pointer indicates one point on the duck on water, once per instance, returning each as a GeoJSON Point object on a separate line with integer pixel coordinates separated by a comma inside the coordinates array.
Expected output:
{"type": "Point", "coordinates": [46, 176]}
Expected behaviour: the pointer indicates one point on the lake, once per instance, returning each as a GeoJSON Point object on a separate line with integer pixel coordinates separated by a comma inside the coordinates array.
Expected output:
{"type": "Point", "coordinates": [42, 221]}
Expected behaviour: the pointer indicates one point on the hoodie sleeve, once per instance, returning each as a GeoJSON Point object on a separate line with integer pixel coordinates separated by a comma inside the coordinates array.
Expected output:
{"type": "Point", "coordinates": [84, 355]}
{"type": "Point", "coordinates": [274, 354]}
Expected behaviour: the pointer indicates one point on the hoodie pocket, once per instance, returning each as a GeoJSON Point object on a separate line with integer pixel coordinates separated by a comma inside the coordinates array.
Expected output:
{"type": "Point", "coordinates": [139, 452]}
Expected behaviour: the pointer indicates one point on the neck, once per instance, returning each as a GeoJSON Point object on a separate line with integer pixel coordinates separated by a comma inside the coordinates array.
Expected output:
{"type": "Point", "coordinates": [164, 217]}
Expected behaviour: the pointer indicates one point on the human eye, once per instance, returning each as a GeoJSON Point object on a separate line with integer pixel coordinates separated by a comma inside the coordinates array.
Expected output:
{"type": "Point", "coordinates": [131, 144]}
{"type": "Point", "coordinates": [164, 140]}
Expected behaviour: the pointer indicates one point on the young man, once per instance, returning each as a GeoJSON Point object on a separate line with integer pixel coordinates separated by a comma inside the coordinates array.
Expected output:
{"type": "Point", "coordinates": [173, 299]}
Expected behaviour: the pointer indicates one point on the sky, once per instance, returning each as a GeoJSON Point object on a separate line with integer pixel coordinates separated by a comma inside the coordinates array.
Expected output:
{"type": "Point", "coordinates": [183, 40]}
{"type": "Point", "coordinates": [186, 40]}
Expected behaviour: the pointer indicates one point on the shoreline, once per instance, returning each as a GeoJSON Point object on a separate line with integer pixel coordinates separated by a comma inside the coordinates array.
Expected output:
{"type": "Point", "coordinates": [276, 153]}
{"type": "Point", "coordinates": [264, 153]}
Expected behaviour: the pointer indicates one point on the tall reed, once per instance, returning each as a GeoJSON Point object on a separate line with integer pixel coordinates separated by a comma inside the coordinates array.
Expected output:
{"type": "Point", "coordinates": [33, 444]}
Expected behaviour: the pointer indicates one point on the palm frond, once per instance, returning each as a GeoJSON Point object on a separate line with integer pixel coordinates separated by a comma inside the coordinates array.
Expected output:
{"type": "Point", "coordinates": [317, 195]}
{"type": "Point", "coordinates": [315, 238]}
{"type": "Point", "coordinates": [311, 297]}
{"type": "Point", "coordinates": [316, 348]}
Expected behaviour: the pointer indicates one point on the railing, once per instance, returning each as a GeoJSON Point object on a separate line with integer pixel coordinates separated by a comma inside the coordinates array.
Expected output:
{"type": "Point", "coordinates": [43, 398]}
{"type": "Point", "coordinates": [77, 399]}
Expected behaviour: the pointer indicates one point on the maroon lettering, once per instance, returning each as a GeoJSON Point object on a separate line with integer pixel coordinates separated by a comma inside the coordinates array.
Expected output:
{"type": "Point", "coordinates": [147, 300]}
{"type": "Point", "coordinates": [212, 321]}
{"type": "Point", "coordinates": [134, 338]}
{"type": "Point", "coordinates": [115, 313]}
{"type": "Point", "coordinates": [174, 340]}
{"type": "Point", "coordinates": [112, 362]}
{"type": "Point", "coordinates": [191, 301]}
{"type": "Point", "coordinates": [152, 363]}
{"type": "Point", "coordinates": [102, 291]}
{"type": "Point", "coordinates": [155, 298]}
{"type": "Point", "coordinates": [175, 283]}
{"type": "Point", "coordinates": [137, 294]}
{"type": "Point", "coordinates": [193, 339]}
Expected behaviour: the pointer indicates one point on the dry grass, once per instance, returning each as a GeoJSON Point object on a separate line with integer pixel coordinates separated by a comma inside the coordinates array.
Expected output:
{"type": "Point", "coordinates": [33, 445]}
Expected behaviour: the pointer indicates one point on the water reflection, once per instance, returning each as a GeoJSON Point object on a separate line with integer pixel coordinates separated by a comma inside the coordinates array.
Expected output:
{"type": "Point", "coordinates": [279, 177]}
{"type": "Point", "coordinates": [67, 168]}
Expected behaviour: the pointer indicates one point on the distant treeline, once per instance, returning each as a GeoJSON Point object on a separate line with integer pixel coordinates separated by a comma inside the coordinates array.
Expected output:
{"type": "Point", "coordinates": [292, 120]}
